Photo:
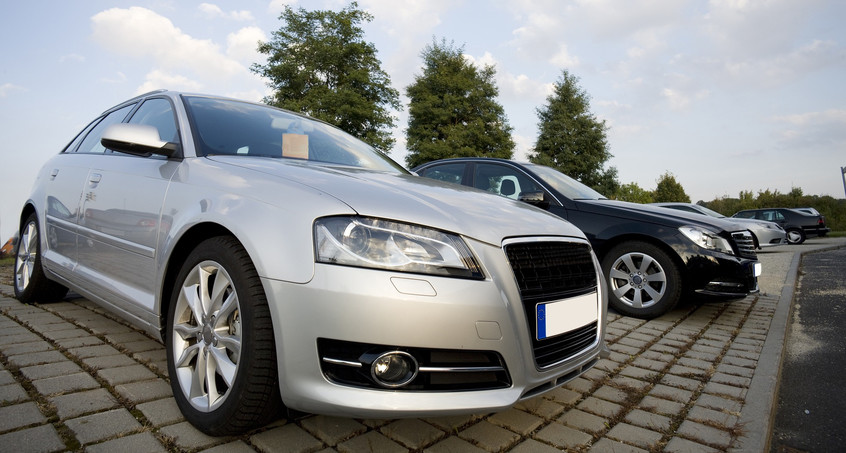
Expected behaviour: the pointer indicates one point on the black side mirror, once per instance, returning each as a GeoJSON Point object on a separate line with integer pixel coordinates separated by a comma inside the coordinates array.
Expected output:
{"type": "Point", "coordinates": [534, 198]}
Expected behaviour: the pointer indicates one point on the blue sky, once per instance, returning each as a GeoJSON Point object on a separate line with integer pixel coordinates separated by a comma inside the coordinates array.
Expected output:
{"type": "Point", "coordinates": [727, 95]}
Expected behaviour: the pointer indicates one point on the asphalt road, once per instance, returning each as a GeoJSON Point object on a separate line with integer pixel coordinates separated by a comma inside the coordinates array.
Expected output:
{"type": "Point", "coordinates": [811, 406]}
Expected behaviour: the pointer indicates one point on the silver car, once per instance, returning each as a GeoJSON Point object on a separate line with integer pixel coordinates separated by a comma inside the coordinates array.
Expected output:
{"type": "Point", "coordinates": [764, 234]}
{"type": "Point", "coordinates": [286, 263]}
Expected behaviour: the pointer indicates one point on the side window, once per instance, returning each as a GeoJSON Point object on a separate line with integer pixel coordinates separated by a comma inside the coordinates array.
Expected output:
{"type": "Point", "coordinates": [745, 215]}
{"type": "Point", "coordinates": [159, 113]}
{"type": "Point", "coordinates": [778, 216]}
{"type": "Point", "coordinates": [79, 137]}
{"type": "Point", "coordinates": [448, 172]}
{"type": "Point", "coordinates": [503, 180]}
{"type": "Point", "coordinates": [91, 143]}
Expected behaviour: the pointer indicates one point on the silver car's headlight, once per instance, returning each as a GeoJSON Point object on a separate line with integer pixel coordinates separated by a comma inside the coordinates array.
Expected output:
{"type": "Point", "coordinates": [384, 244]}
{"type": "Point", "coordinates": [706, 239]}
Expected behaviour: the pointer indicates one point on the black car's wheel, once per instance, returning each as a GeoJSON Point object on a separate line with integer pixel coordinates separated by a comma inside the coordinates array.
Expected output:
{"type": "Point", "coordinates": [643, 281]}
{"type": "Point", "coordinates": [795, 236]}
{"type": "Point", "coordinates": [31, 285]}
{"type": "Point", "coordinates": [220, 348]}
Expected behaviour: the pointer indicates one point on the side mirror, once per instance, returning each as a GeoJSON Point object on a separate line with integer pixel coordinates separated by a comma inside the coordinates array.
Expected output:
{"type": "Point", "coordinates": [137, 139]}
{"type": "Point", "coordinates": [534, 198]}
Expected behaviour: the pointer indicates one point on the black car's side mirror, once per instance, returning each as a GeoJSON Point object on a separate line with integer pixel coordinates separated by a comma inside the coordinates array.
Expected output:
{"type": "Point", "coordinates": [137, 139]}
{"type": "Point", "coordinates": [534, 198]}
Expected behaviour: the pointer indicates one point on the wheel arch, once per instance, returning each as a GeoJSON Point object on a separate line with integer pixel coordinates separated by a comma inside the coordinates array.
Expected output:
{"type": "Point", "coordinates": [610, 243]}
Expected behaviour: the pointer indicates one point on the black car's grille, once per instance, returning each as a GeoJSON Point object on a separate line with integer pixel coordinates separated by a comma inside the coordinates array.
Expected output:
{"type": "Point", "coordinates": [745, 244]}
{"type": "Point", "coordinates": [547, 271]}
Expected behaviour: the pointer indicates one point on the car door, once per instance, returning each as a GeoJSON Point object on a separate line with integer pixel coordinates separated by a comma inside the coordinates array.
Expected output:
{"type": "Point", "coordinates": [121, 219]}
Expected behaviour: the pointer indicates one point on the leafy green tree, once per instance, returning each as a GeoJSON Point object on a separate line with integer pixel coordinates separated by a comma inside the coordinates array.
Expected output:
{"type": "Point", "coordinates": [319, 64]}
{"type": "Point", "coordinates": [452, 109]}
{"type": "Point", "coordinates": [634, 193]}
{"type": "Point", "coordinates": [571, 139]}
{"type": "Point", "coordinates": [669, 190]}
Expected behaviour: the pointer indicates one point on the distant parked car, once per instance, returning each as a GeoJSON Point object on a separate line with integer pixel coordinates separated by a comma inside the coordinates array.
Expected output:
{"type": "Point", "coordinates": [765, 234]}
{"type": "Point", "coordinates": [650, 256]}
{"type": "Point", "coordinates": [284, 262]}
{"type": "Point", "coordinates": [798, 225]}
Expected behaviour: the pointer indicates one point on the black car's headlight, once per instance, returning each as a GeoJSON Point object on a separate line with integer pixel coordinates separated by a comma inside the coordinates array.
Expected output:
{"type": "Point", "coordinates": [706, 239]}
{"type": "Point", "coordinates": [384, 244]}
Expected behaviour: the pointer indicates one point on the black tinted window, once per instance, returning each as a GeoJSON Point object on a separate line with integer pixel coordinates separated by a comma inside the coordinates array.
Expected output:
{"type": "Point", "coordinates": [503, 180]}
{"type": "Point", "coordinates": [448, 172]}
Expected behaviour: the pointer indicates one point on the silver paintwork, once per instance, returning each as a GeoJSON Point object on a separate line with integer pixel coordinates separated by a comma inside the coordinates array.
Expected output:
{"type": "Point", "coordinates": [768, 234]}
{"type": "Point", "coordinates": [118, 220]}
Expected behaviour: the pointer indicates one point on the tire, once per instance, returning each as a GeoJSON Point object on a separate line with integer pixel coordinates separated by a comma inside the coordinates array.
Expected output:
{"type": "Point", "coordinates": [221, 355]}
{"type": "Point", "coordinates": [795, 236]}
{"type": "Point", "coordinates": [31, 284]}
{"type": "Point", "coordinates": [643, 281]}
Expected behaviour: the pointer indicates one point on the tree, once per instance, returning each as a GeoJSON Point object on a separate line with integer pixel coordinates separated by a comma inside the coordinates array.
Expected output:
{"type": "Point", "coordinates": [452, 109]}
{"type": "Point", "coordinates": [319, 64]}
{"type": "Point", "coordinates": [634, 193]}
{"type": "Point", "coordinates": [571, 139]}
{"type": "Point", "coordinates": [669, 190]}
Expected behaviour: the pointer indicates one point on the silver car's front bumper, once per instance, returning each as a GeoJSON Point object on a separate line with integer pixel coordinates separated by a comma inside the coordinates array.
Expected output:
{"type": "Point", "coordinates": [414, 311]}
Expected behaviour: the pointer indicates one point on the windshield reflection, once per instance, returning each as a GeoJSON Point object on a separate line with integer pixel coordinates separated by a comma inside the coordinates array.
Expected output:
{"type": "Point", "coordinates": [568, 186]}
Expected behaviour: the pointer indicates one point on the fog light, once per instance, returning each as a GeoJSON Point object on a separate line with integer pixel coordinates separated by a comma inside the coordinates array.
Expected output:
{"type": "Point", "coordinates": [394, 369]}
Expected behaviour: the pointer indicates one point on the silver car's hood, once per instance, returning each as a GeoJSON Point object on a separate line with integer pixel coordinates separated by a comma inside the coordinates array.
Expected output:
{"type": "Point", "coordinates": [451, 207]}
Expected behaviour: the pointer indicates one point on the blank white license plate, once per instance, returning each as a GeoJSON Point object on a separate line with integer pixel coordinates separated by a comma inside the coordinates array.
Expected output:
{"type": "Point", "coordinates": [555, 318]}
{"type": "Point", "coordinates": [756, 269]}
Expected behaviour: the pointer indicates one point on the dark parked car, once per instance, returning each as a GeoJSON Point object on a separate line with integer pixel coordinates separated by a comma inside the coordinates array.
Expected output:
{"type": "Point", "coordinates": [765, 234]}
{"type": "Point", "coordinates": [650, 256]}
{"type": "Point", "coordinates": [797, 224]}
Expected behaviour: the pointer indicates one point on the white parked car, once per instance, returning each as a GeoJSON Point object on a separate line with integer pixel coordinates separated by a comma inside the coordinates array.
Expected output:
{"type": "Point", "coordinates": [284, 262]}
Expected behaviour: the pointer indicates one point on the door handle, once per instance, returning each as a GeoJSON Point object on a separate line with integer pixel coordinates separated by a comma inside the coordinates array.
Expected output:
{"type": "Point", "coordinates": [54, 173]}
{"type": "Point", "coordinates": [94, 178]}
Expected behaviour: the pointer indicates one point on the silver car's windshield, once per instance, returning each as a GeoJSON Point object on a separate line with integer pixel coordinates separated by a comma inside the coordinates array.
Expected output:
{"type": "Point", "coordinates": [235, 128]}
{"type": "Point", "coordinates": [568, 186]}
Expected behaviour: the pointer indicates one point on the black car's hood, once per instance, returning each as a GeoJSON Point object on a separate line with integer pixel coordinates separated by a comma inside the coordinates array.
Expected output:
{"type": "Point", "coordinates": [657, 215]}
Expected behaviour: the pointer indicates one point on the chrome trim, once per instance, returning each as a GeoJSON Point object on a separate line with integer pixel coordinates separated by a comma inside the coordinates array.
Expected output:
{"type": "Point", "coordinates": [342, 362]}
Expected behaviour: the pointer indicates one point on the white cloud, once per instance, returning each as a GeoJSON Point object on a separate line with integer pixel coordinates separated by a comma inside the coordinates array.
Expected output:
{"type": "Point", "coordinates": [213, 11]}
{"type": "Point", "coordinates": [119, 78]}
{"type": "Point", "coordinates": [275, 7]}
{"type": "Point", "coordinates": [825, 129]}
{"type": "Point", "coordinates": [563, 59]}
{"type": "Point", "coordinates": [158, 79]}
{"type": "Point", "coordinates": [242, 45]}
{"type": "Point", "coordinates": [8, 88]}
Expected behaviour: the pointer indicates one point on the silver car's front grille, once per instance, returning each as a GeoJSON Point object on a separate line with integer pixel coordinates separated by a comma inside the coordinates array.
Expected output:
{"type": "Point", "coordinates": [554, 270]}
{"type": "Point", "coordinates": [745, 244]}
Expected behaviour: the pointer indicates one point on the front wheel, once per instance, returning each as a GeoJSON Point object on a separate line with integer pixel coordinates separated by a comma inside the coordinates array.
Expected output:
{"type": "Point", "coordinates": [795, 236]}
{"type": "Point", "coordinates": [31, 284]}
{"type": "Point", "coordinates": [643, 281]}
{"type": "Point", "coordinates": [221, 354]}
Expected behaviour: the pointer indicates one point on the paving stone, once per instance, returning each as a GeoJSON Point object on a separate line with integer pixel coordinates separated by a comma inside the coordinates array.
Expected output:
{"type": "Point", "coordinates": [727, 390]}
{"type": "Point", "coordinates": [64, 384]}
{"type": "Point", "coordinates": [332, 430]}
{"type": "Point", "coordinates": [86, 352]}
{"type": "Point", "coordinates": [642, 374]}
{"type": "Point", "coordinates": [709, 416]}
{"type": "Point", "coordinates": [633, 342]}
{"type": "Point", "coordinates": [187, 437]}
{"type": "Point", "coordinates": [719, 403]}
{"type": "Point", "coordinates": [36, 358]}
{"type": "Point", "coordinates": [563, 437]}
{"type": "Point", "coordinates": [698, 365]}
{"type": "Point", "coordinates": [6, 377]}
{"type": "Point", "coordinates": [579, 385]}
{"type": "Point", "coordinates": [614, 394]}
{"type": "Point", "coordinates": [141, 442]}
{"type": "Point", "coordinates": [624, 349]}
{"type": "Point", "coordinates": [595, 374]}
{"type": "Point", "coordinates": [62, 334]}
{"type": "Point", "coordinates": [728, 379]}
{"type": "Point", "coordinates": [583, 421]}
{"type": "Point", "coordinates": [680, 382]}
{"type": "Point", "coordinates": [600, 407]}
{"type": "Point", "coordinates": [649, 420]}
{"type": "Point", "coordinates": [739, 362]}
{"type": "Point", "coordinates": [681, 445]}
{"type": "Point", "coordinates": [139, 392]}
{"type": "Point", "coordinates": [19, 415]}
{"type": "Point", "coordinates": [661, 406]}
{"type": "Point", "coordinates": [518, 421]}
{"type": "Point", "coordinates": [370, 442]}
{"type": "Point", "coordinates": [533, 446]}
{"type": "Point", "coordinates": [412, 433]}
{"type": "Point", "coordinates": [26, 348]}
{"type": "Point", "coordinates": [123, 375]}
{"type": "Point", "coordinates": [63, 368]}
{"type": "Point", "coordinates": [12, 393]}
{"type": "Point", "coordinates": [453, 444]}
{"type": "Point", "coordinates": [649, 364]}
{"type": "Point", "coordinates": [142, 346]}
{"type": "Point", "coordinates": [635, 435]}
{"type": "Point", "coordinates": [126, 337]}
{"type": "Point", "coordinates": [704, 434]}
{"type": "Point", "coordinates": [626, 382]}
{"type": "Point", "coordinates": [726, 368]}
{"type": "Point", "coordinates": [71, 343]}
{"type": "Point", "coordinates": [454, 422]}
{"type": "Point", "coordinates": [75, 404]}
{"type": "Point", "coordinates": [20, 336]}
{"type": "Point", "coordinates": [489, 436]}
{"type": "Point", "coordinates": [109, 361]}
{"type": "Point", "coordinates": [42, 438]}
{"type": "Point", "coordinates": [103, 425]}
{"type": "Point", "coordinates": [671, 393]}
{"type": "Point", "coordinates": [294, 438]}
{"type": "Point", "coordinates": [161, 412]}
{"type": "Point", "coordinates": [606, 445]}
{"type": "Point", "coordinates": [564, 395]}
{"type": "Point", "coordinates": [541, 407]}
{"type": "Point", "coordinates": [237, 446]}
{"type": "Point", "coordinates": [689, 372]}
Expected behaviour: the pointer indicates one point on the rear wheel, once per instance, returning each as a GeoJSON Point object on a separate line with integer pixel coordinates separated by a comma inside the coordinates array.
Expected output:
{"type": "Point", "coordinates": [31, 285]}
{"type": "Point", "coordinates": [643, 281]}
{"type": "Point", "coordinates": [220, 346]}
{"type": "Point", "coordinates": [795, 236]}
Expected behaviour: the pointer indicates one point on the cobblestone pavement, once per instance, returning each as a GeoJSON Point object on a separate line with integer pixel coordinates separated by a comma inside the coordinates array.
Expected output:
{"type": "Point", "coordinates": [699, 379]}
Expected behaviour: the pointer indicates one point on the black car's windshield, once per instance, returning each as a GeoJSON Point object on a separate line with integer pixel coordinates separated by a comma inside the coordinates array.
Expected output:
{"type": "Point", "coordinates": [568, 186]}
{"type": "Point", "coordinates": [236, 128]}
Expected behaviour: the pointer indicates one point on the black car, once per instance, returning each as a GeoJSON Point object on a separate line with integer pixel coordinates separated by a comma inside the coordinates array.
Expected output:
{"type": "Point", "coordinates": [797, 224]}
{"type": "Point", "coordinates": [650, 255]}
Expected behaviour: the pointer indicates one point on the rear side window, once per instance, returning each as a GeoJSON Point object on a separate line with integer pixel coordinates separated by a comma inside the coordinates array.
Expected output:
{"type": "Point", "coordinates": [448, 172]}
{"type": "Point", "coordinates": [503, 180]}
{"type": "Point", "coordinates": [91, 143]}
{"type": "Point", "coordinates": [159, 113]}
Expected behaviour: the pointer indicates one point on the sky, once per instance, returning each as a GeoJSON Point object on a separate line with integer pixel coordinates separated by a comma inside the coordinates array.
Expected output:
{"type": "Point", "coordinates": [725, 95]}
